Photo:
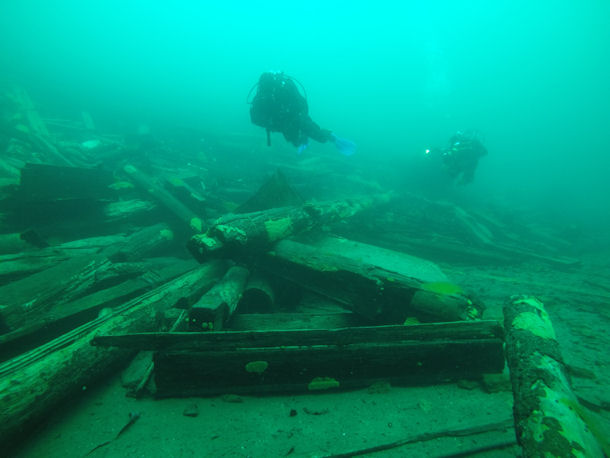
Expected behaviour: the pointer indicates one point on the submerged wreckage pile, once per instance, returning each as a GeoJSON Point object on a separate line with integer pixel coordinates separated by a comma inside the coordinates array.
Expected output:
{"type": "Point", "coordinates": [107, 252]}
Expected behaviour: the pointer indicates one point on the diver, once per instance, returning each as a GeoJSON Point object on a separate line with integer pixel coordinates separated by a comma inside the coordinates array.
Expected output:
{"type": "Point", "coordinates": [461, 158]}
{"type": "Point", "coordinates": [279, 106]}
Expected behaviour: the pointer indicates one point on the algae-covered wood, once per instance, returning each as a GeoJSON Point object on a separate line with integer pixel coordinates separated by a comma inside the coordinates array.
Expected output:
{"type": "Point", "coordinates": [35, 382]}
{"type": "Point", "coordinates": [549, 419]}
{"type": "Point", "coordinates": [318, 360]}
{"type": "Point", "coordinates": [374, 282]}
{"type": "Point", "coordinates": [215, 307]}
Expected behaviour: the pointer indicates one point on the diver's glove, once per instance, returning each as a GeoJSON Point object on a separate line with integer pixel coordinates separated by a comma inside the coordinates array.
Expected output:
{"type": "Point", "coordinates": [345, 146]}
{"type": "Point", "coordinates": [302, 147]}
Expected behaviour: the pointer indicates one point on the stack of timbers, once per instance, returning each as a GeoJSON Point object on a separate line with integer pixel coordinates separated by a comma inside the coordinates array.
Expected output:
{"type": "Point", "coordinates": [210, 363]}
{"type": "Point", "coordinates": [381, 285]}
{"type": "Point", "coordinates": [390, 293]}
{"type": "Point", "coordinates": [35, 382]}
{"type": "Point", "coordinates": [80, 280]}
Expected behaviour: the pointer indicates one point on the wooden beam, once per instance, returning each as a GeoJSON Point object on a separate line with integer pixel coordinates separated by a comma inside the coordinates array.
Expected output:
{"type": "Point", "coordinates": [301, 361]}
{"type": "Point", "coordinates": [549, 420]}
{"type": "Point", "coordinates": [228, 340]}
{"type": "Point", "coordinates": [216, 307]}
{"type": "Point", "coordinates": [250, 232]}
{"type": "Point", "coordinates": [382, 285]}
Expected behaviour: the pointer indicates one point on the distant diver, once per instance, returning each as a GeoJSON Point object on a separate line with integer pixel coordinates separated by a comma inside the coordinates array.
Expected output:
{"type": "Point", "coordinates": [461, 158]}
{"type": "Point", "coordinates": [278, 106]}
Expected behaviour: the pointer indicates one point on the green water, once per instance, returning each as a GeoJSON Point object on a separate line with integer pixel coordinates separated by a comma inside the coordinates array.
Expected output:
{"type": "Point", "coordinates": [531, 77]}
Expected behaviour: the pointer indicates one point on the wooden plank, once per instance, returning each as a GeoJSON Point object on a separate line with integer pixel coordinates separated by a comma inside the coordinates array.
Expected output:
{"type": "Point", "coordinates": [164, 198]}
{"type": "Point", "coordinates": [321, 368]}
{"type": "Point", "coordinates": [215, 307]}
{"type": "Point", "coordinates": [227, 340]}
{"type": "Point", "coordinates": [42, 328]}
{"type": "Point", "coordinates": [33, 384]}
{"type": "Point", "coordinates": [379, 284]}
{"type": "Point", "coordinates": [35, 294]}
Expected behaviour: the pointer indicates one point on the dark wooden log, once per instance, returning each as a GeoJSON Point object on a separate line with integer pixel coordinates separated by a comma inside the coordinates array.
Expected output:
{"type": "Point", "coordinates": [216, 307]}
{"type": "Point", "coordinates": [549, 420]}
{"type": "Point", "coordinates": [296, 369]}
{"type": "Point", "coordinates": [34, 383]}
{"type": "Point", "coordinates": [301, 361]}
{"type": "Point", "coordinates": [374, 282]}
{"type": "Point", "coordinates": [165, 199]}
{"type": "Point", "coordinates": [258, 296]}
{"type": "Point", "coordinates": [257, 231]}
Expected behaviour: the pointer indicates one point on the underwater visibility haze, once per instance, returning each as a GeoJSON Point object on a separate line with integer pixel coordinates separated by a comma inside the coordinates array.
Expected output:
{"type": "Point", "coordinates": [154, 158]}
{"type": "Point", "coordinates": [530, 77]}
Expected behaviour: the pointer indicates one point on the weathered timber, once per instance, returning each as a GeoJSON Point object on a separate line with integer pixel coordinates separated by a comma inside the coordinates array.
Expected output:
{"type": "Point", "coordinates": [71, 279]}
{"type": "Point", "coordinates": [443, 230]}
{"type": "Point", "coordinates": [34, 383]}
{"type": "Point", "coordinates": [231, 340]}
{"type": "Point", "coordinates": [148, 241]}
{"type": "Point", "coordinates": [149, 355]}
{"type": "Point", "coordinates": [41, 328]}
{"type": "Point", "coordinates": [164, 198]}
{"type": "Point", "coordinates": [374, 282]}
{"type": "Point", "coordinates": [257, 231]}
{"type": "Point", "coordinates": [258, 296]}
{"type": "Point", "coordinates": [33, 294]}
{"type": "Point", "coordinates": [298, 365]}
{"type": "Point", "coordinates": [18, 265]}
{"type": "Point", "coordinates": [215, 307]}
{"type": "Point", "coordinates": [549, 421]}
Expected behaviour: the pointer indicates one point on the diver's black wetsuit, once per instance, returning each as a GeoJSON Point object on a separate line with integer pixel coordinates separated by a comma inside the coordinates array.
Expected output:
{"type": "Point", "coordinates": [278, 106]}
{"type": "Point", "coordinates": [462, 157]}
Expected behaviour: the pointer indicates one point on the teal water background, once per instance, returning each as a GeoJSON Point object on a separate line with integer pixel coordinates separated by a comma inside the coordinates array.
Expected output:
{"type": "Point", "coordinates": [396, 77]}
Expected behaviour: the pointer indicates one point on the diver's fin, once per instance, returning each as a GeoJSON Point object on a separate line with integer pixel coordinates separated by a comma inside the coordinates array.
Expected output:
{"type": "Point", "coordinates": [345, 146]}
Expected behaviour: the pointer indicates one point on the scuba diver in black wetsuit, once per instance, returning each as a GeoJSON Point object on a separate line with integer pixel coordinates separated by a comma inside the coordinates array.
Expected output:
{"type": "Point", "coordinates": [461, 157]}
{"type": "Point", "coordinates": [278, 106]}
